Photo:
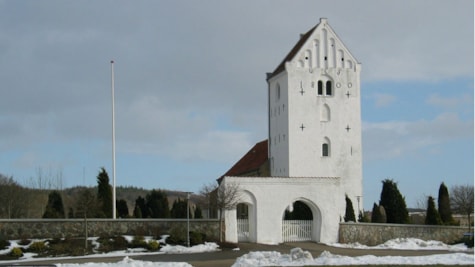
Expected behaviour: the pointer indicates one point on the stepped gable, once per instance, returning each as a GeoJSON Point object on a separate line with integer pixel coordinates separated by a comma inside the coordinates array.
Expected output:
{"type": "Point", "coordinates": [303, 39]}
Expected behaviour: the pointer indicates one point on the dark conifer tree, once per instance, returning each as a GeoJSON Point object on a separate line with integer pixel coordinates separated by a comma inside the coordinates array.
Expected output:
{"type": "Point", "coordinates": [349, 212]}
{"type": "Point", "coordinates": [104, 193]}
{"type": "Point", "coordinates": [198, 213]}
{"type": "Point", "coordinates": [432, 215]}
{"type": "Point", "coordinates": [394, 203]}
{"type": "Point", "coordinates": [122, 208]}
{"type": "Point", "coordinates": [54, 208]}
{"type": "Point", "coordinates": [137, 212]}
{"type": "Point", "coordinates": [157, 204]}
{"type": "Point", "coordinates": [378, 214]}
{"type": "Point", "coordinates": [141, 210]}
{"type": "Point", "coordinates": [178, 209]}
{"type": "Point", "coordinates": [363, 217]}
{"type": "Point", "coordinates": [71, 213]}
{"type": "Point", "coordinates": [444, 205]}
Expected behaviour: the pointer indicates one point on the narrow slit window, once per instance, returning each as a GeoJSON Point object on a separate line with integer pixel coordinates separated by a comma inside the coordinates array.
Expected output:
{"type": "Point", "coordinates": [325, 150]}
{"type": "Point", "coordinates": [329, 88]}
{"type": "Point", "coordinates": [320, 88]}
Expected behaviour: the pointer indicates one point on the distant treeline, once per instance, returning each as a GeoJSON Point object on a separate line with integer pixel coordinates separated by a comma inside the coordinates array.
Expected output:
{"type": "Point", "coordinates": [18, 201]}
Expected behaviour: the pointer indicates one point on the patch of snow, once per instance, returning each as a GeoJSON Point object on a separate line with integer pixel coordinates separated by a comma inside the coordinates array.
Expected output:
{"type": "Point", "coordinates": [407, 244]}
{"type": "Point", "coordinates": [206, 247]}
{"type": "Point", "coordinates": [126, 262]}
{"type": "Point", "coordinates": [130, 238]}
{"type": "Point", "coordinates": [163, 239]}
{"type": "Point", "coordinates": [273, 258]}
{"type": "Point", "coordinates": [297, 256]}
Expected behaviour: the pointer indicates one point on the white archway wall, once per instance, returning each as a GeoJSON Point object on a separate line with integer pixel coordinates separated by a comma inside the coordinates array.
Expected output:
{"type": "Point", "coordinates": [248, 198]}
{"type": "Point", "coordinates": [273, 194]}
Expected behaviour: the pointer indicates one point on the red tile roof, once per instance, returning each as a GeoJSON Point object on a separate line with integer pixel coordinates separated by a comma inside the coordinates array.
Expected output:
{"type": "Point", "coordinates": [252, 161]}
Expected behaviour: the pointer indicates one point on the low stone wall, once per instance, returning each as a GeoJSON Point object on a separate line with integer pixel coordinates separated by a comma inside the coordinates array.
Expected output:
{"type": "Point", "coordinates": [52, 228]}
{"type": "Point", "coordinates": [375, 233]}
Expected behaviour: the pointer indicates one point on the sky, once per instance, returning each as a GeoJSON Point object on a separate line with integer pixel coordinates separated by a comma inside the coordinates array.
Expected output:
{"type": "Point", "coordinates": [190, 89]}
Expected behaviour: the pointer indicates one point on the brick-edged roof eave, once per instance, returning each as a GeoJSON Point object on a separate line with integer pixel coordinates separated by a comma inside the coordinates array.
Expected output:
{"type": "Point", "coordinates": [251, 161]}
{"type": "Point", "coordinates": [303, 39]}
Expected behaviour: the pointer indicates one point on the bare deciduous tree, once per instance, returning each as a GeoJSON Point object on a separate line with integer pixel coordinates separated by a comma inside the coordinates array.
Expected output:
{"type": "Point", "coordinates": [226, 197]}
{"type": "Point", "coordinates": [87, 205]}
{"type": "Point", "coordinates": [11, 198]}
{"type": "Point", "coordinates": [461, 200]}
{"type": "Point", "coordinates": [209, 199]}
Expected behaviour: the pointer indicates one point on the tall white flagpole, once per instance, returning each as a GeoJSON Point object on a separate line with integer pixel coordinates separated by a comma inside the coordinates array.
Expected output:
{"type": "Point", "coordinates": [113, 143]}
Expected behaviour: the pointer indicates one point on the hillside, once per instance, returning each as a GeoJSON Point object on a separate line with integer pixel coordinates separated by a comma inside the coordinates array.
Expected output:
{"type": "Point", "coordinates": [17, 201]}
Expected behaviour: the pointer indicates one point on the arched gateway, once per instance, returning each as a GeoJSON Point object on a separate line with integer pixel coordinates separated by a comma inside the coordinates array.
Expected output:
{"type": "Point", "coordinates": [313, 154]}
{"type": "Point", "coordinates": [271, 196]}
{"type": "Point", "coordinates": [301, 221]}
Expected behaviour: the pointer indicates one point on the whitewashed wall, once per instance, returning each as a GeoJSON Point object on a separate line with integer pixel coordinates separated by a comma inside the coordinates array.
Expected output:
{"type": "Point", "coordinates": [301, 120]}
{"type": "Point", "coordinates": [270, 196]}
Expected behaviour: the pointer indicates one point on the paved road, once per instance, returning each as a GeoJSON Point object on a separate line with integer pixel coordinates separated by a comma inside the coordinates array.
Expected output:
{"type": "Point", "coordinates": [227, 257]}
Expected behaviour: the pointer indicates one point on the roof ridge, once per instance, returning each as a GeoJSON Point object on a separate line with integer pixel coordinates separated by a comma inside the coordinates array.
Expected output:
{"type": "Point", "coordinates": [303, 39]}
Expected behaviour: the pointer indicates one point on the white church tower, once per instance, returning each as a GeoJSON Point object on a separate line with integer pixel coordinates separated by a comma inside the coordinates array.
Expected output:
{"type": "Point", "coordinates": [313, 154]}
{"type": "Point", "coordinates": [314, 112]}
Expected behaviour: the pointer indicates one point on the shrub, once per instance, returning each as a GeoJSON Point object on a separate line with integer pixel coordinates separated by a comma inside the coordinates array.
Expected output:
{"type": "Point", "coordinates": [138, 242]}
{"type": "Point", "coordinates": [112, 243]}
{"type": "Point", "coordinates": [197, 238]}
{"type": "Point", "coordinates": [468, 241]}
{"type": "Point", "coordinates": [177, 235]}
{"type": "Point", "coordinates": [55, 240]}
{"type": "Point", "coordinates": [16, 252]}
{"type": "Point", "coordinates": [69, 247]}
{"type": "Point", "coordinates": [37, 247]}
{"type": "Point", "coordinates": [4, 243]}
{"type": "Point", "coordinates": [153, 245]}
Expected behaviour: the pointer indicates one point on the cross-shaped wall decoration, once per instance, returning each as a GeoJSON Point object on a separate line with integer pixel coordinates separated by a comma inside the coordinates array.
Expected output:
{"type": "Point", "coordinates": [302, 127]}
{"type": "Point", "coordinates": [348, 128]}
{"type": "Point", "coordinates": [348, 94]}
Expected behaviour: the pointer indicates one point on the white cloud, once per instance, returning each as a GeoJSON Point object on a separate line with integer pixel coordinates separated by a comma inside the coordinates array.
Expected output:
{"type": "Point", "coordinates": [200, 91]}
{"type": "Point", "coordinates": [383, 100]}
{"type": "Point", "coordinates": [402, 138]}
{"type": "Point", "coordinates": [217, 146]}
{"type": "Point", "coordinates": [450, 102]}
{"type": "Point", "coordinates": [150, 126]}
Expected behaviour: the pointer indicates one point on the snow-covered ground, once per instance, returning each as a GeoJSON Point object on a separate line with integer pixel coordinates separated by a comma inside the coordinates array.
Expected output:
{"type": "Point", "coordinates": [407, 244]}
{"type": "Point", "coordinates": [272, 258]}
{"type": "Point", "coordinates": [296, 257]}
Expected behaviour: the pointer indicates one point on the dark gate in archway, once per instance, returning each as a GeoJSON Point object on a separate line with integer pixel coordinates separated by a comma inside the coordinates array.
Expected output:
{"type": "Point", "coordinates": [297, 225]}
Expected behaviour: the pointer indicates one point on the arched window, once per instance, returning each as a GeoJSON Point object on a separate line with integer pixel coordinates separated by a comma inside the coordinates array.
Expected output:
{"type": "Point", "coordinates": [320, 88]}
{"type": "Point", "coordinates": [278, 91]}
{"type": "Point", "coordinates": [329, 88]}
{"type": "Point", "coordinates": [325, 113]}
